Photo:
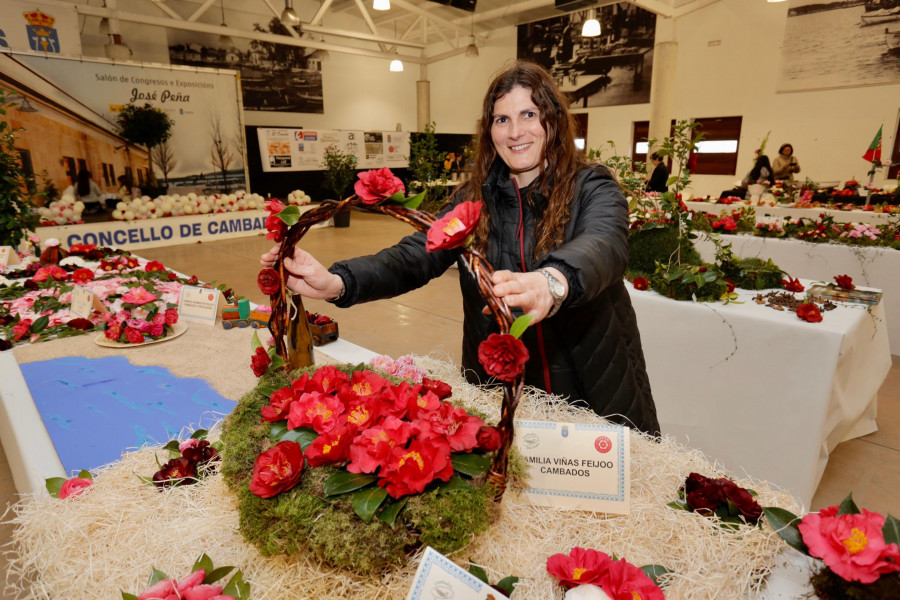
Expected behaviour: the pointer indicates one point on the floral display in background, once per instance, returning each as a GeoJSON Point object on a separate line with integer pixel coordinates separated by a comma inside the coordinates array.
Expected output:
{"type": "Point", "coordinates": [591, 574]}
{"type": "Point", "coordinates": [199, 585]}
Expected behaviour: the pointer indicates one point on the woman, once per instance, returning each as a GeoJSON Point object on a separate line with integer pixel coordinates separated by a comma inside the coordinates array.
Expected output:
{"type": "Point", "coordinates": [785, 164]}
{"type": "Point", "coordinates": [85, 190]}
{"type": "Point", "coordinates": [761, 173]}
{"type": "Point", "coordinates": [556, 231]}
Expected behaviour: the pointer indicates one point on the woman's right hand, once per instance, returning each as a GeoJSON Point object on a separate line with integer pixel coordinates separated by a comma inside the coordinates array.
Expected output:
{"type": "Point", "coordinates": [306, 276]}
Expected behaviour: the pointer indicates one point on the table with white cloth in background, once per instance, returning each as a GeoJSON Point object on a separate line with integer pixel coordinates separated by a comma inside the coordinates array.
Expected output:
{"type": "Point", "coordinates": [873, 266]}
{"type": "Point", "coordinates": [759, 389]}
{"type": "Point", "coordinates": [869, 217]}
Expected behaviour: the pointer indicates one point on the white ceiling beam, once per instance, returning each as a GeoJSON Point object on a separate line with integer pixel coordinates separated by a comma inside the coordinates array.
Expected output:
{"type": "Point", "coordinates": [659, 7]}
{"type": "Point", "coordinates": [362, 36]}
{"type": "Point", "coordinates": [199, 12]}
{"type": "Point", "coordinates": [441, 23]}
{"type": "Point", "coordinates": [695, 5]}
{"type": "Point", "coordinates": [161, 5]}
{"type": "Point", "coordinates": [320, 14]}
{"type": "Point", "coordinates": [366, 16]}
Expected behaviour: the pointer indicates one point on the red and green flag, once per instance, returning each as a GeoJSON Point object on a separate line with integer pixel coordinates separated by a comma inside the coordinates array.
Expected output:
{"type": "Point", "coordinates": [873, 154]}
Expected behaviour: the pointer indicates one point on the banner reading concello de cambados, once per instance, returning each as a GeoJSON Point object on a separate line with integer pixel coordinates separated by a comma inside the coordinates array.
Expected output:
{"type": "Point", "coordinates": [170, 231]}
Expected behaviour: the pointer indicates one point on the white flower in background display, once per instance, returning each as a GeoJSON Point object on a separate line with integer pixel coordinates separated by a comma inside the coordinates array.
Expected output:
{"type": "Point", "coordinates": [298, 197]}
{"type": "Point", "coordinates": [76, 261]}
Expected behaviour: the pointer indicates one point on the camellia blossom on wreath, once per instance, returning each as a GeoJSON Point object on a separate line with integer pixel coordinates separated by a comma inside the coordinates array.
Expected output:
{"type": "Point", "coordinates": [618, 579]}
{"type": "Point", "coordinates": [199, 585]}
{"type": "Point", "coordinates": [62, 488]}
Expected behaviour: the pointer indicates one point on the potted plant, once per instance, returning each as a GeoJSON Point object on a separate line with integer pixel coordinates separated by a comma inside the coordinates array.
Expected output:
{"type": "Point", "coordinates": [16, 205]}
{"type": "Point", "coordinates": [339, 168]}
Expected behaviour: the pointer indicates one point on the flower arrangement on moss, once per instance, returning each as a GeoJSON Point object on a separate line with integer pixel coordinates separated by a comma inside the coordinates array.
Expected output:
{"type": "Point", "coordinates": [62, 488]}
{"type": "Point", "coordinates": [589, 573]}
{"type": "Point", "coordinates": [142, 316]}
{"type": "Point", "coordinates": [719, 497]}
{"type": "Point", "coordinates": [189, 461]}
{"type": "Point", "coordinates": [199, 585]}
{"type": "Point", "coordinates": [858, 548]}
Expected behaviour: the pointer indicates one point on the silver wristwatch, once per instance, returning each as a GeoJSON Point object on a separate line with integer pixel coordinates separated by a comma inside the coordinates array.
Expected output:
{"type": "Point", "coordinates": [557, 290]}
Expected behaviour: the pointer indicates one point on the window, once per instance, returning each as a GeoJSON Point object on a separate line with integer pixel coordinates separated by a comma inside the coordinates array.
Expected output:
{"type": "Point", "coordinates": [28, 168]}
{"type": "Point", "coordinates": [140, 173]}
{"type": "Point", "coordinates": [112, 175]}
{"type": "Point", "coordinates": [105, 174]}
{"type": "Point", "coordinates": [639, 145]}
{"type": "Point", "coordinates": [716, 154]}
{"type": "Point", "coordinates": [71, 170]}
{"type": "Point", "coordinates": [82, 165]}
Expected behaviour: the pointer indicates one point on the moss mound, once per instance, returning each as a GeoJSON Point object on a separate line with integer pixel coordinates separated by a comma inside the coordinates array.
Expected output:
{"type": "Point", "coordinates": [829, 586]}
{"type": "Point", "coordinates": [648, 246]}
{"type": "Point", "coordinates": [752, 273]}
{"type": "Point", "coordinates": [302, 521]}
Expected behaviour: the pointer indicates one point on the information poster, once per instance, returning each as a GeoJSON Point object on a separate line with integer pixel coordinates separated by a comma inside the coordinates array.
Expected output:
{"type": "Point", "coordinates": [283, 149]}
{"type": "Point", "coordinates": [577, 466]}
{"type": "Point", "coordinates": [197, 304]}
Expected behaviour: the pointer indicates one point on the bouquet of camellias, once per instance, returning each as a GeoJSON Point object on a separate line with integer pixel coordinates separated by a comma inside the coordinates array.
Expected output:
{"type": "Point", "coordinates": [199, 585]}
{"type": "Point", "coordinates": [859, 550]}
{"type": "Point", "coordinates": [592, 575]}
{"type": "Point", "coordinates": [139, 316]}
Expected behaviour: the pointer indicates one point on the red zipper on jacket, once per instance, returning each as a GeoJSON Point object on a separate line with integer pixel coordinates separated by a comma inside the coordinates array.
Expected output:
{"type": "Point", "coordinates": [520, 235]}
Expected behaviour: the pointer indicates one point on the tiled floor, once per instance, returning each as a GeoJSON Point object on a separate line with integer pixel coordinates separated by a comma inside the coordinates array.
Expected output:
{"type": "Point", "coordinates": [429, 320]}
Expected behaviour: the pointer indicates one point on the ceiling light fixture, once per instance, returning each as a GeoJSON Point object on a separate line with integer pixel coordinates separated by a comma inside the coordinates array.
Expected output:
{"type": "Point", "coordinates": [23, 104]}
{"type": "Point", "coordinates": [472, 49]}
{"type": "Point", "coordinates": [289, 17]}
{"type": "Point", "coordinates": [104, 23]}
{"type": "Point", "coordinates": [225, 40]}
{"type": "Point", "coordinates": [591, 27]}
{"type": "Point", "coordinates": [396, 64]}
{"type": "Point", "coordinates": [381, 4]}
{"type": "Point", "coordinates": [117, 49]}
{"type": "Point", "coordinates": [776, 0]}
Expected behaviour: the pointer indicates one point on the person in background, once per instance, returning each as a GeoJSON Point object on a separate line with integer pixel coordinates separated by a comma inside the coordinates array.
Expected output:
{"type": "Point", "coordinates": [556, 231]}
{"type": "Point", "coordinates": [761, 173]}
{"type": "Point", "coordinates": [785, 164]}
{"type": "Point", "coordinates": [86, 190]}
{"type": "Point", "coordinates": [127, 189]}
{"type": "Point", "coordinates": [660, 176]}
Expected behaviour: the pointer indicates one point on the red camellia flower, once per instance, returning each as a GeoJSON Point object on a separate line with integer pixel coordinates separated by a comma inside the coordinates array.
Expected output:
{"type": "Point", "coordinates": [640, 283]}
{"type": "Point", "coordinates": [809, 312]}
{"type": "Point", "coordinates": [317, 410]}
{"type": "Point", "coordinates": [329, 378]}
{"type": "Point", "coordinates": [175, 472]}
{"type": "Point", "coordinates": [171, 316]}
{"type": "Point", "coordinates": [371, 449]}
{"type": "Point", "coordinates": [489, 438]}
{"type": "Point", "coordinates": [453, 229]}
{"type": "Point", "coordinates": [74, 486]}
{"type": "Point", "coordinates": [455, 425]}
{"type": "Point", "coordinates": [54, 272]}
{"type": "Point", "coordinates": [852, 545]}
{"type": "Point", "coordinates": [367, 383]}
{"type": "Point", "coordinates": [269, 281]}
{"type": "Point", "coordinates": [277, 469]}
{"type": "Point", "coordinates": [276, 228]}
{"type": "Point", "coordinates": [624, 581]}
{"type": "Point", "coordinates": [376, 185]}
{"type": "Point", "coordinates": [409, 470]}
{"type": "Point", "coordinates": [154, 265]}
{"type": "Point", "coordinates": [441, 390]}
{"type": "Point", "coordinates": [580, 566]}
{"type": "Point", "coordinates": [502, 356]}
{"type": "Point", "coordinates": [332, 447]}
{"type": "Point", "coordinates": [706, 495]}
{"type": "Point", "coordinates": [133, 335]}
{"type": "Point", "coordinates": [792, 285]}
{"type": "Point", "coordinates": [21, 329]}
{"type": "Point", "coordinates": [279, 405]}
{"type": "Point", "coordinates": [80, 324]}
{"type": "Point", "coordinates": [845, 282]}
{"type": "Point", "coordinates": [82, 275]}
{"type": "Point", "coordinates": [260, 361]}
{"type": "Point", "coordinates": [730, 285]}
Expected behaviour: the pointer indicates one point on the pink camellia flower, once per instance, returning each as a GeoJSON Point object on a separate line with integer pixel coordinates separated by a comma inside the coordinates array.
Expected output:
{"type": "Point", "coordinates": [190, 443]}
{"type": "Point", "coordinates": [624, 581]}
{"type": "Point", "coordinates": [139, 295]}
{"type": "Point", "coordinates": [53, 271]}
{"type": "Point", "coordinates": [852, 545]}
{"type": "Point", "coordinates": [157, 330]}
{"type": "Point", "coordinates": [161, 589]}
{"type": "Point", "coordinates": [454, 229]}
{"type": "Point", "coordinates": [74, 486]}
{"type": "Point", "coordinates": [376, 185]}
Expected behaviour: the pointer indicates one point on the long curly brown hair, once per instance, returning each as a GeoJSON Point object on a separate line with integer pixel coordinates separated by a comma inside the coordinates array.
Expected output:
{"type": "Point", "coordinates": [561, 160]}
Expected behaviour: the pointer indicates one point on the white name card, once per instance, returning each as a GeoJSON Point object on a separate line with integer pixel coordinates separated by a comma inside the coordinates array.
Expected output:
{"type": "Point", "coordinates": [85, 302]}
{"type": "Point", "coordinates": [770, 220]}
{"type": "Point", "coordinates": [198, 304]}
{"type": "Point", "coordinates": [8, 257]}
{"type": "Point", "coordinates": [439, 578]}
{"type": "Point", "coordinates": [577, 466]}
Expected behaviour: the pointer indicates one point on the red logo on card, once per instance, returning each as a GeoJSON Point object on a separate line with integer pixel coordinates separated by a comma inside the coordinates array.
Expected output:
{"type": "Point", "coordinates": [603, 444]}
{"type": "Point", "coordinates": [210, 297]}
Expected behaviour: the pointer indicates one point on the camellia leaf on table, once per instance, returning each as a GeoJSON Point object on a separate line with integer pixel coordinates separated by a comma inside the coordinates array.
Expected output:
{"type": "Point", "coordinates": [470, 464]}
{"type": "Point", "coordinates": [254, 341]}
{"type": "Point", "coordinates": [127, 596]}
{"type": "Point", "coordinates": [456, 483]}
{"type": "Point", "coordinates": [39, 324]}
{"type": "Point", "coordinates": [214, 575]}
{"type": "Point", "coordinates": [54, 484]}
{"type": "Point", "coordinates": [507, 585]}
{"type": "Point", "coordinates": [367, 500]}
{"type": "Point", "coordinates": [479, 572]}
{"type": "Point", "coordinates": [389, 513]}
{"type": "Point", "coordinates": [266, 390]}
{"type": "Point", "coordinates": [344, 481]}
{"type": "Point", "coordinates": [785, 523]}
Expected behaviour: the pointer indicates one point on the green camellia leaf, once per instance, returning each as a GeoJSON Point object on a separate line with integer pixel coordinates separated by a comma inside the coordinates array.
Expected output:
{"type": "Point", "coordinates": [39, 324]}
{"type": "Point", "coordinates": [54, 484]}
{"type": "Point", "coordinates": [277, 362]}
{"type": "Point", "coordinates": [679, 505]}
{"type": "Point", "coordinates": [127, 596]}
{"type": "Point", "coordinates": [200, 434]}
{"type": "Point", "coordinates": [214, 575]}
{"type": "Point", "coordinates": [302, 435]}
{"type": "Point", "coordinates": [172, 446]}
{"type": "Point", "coordinates": [508, 584]}
{"type": "Point", "coordinates": [344, 481]}
{"type": "Point", "coordinates": [82, 474]}
{"type": "Point", "coordinates": [520, 325]}
{"type": "Point", "coordinates": [848, 506]}
{"type": "Point", "coordinates": [237, 588]}
{"type": "Point", "coordinates": [156, 576]}
{"type": "Point", "coordinates": [254, 341]}
{"type": "Point", "coordinates": [479, 572]}
{"type": "Point", "coordinates": [654, 572]}
{"type": "Point", "coordinates": [413, 201]}
{"type": "Point", "coordinates": [266, 390]}
{"type": "Point", "coordinates": [290, 215]}
{"type": "Point", "coordinates": [277, 430]}
{"type": "Point", "coordinates": [785, 524]}
{"type": "Point", "coordinates": [389, 513]}
{"type": "Point", "coordinates": [205, 563]}
{"type": "Point", "coordinates": [396, 197]}
{"type": "Point", "coordinates": [456, 483]}
{"type": "Point", "coordinates": [470, 464]}
{"type": "Point", "coordinates": [367, 500]}
{"type": "Point", "coordinates": [671, 180]}
{"type": "Point", "coordinates": [891, 530]}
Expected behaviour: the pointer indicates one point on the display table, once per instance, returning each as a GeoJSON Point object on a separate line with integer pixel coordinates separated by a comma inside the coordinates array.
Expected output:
{"type": "Point", "coordinates": [790, 212]}
{"type": "Point", "coordinates": [872, 266]}
{"type": "Point", "coordinates": [759, 389]}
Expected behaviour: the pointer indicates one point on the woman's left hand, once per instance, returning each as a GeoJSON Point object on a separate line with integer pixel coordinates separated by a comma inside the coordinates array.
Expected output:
{"type": "Point", "coordinates": [528, 291]}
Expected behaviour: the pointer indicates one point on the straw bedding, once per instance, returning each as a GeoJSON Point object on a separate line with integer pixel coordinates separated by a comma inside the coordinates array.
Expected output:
{"type": "Point", "coordinates": [107, 539]}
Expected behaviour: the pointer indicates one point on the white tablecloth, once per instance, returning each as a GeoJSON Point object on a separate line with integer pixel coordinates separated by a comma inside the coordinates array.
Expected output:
{"type": "Point", "coordinates": [759, 389]}
{"type": "Point", "coordinates": [840, 216]}
{"type": "Point", "coordinates": [873, 266]}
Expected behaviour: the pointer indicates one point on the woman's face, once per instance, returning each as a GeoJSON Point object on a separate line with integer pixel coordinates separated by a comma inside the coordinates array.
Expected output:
{"type": "Point", "coordinates": [787, 151]}
{"type": "Point", "coordinates": [518, 135]}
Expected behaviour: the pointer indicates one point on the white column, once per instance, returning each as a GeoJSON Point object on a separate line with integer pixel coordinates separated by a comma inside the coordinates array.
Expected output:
{"type": "Point", "coordinates": [423, 104]}
{"type": "Point", "coordinates": [662, 86]}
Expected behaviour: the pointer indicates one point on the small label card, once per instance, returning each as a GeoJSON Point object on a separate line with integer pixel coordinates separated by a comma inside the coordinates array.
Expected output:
{"type": "Point", "coordinates": [577, 466]}
{"type": "Point", "coordinates": [198, 304]}
{"type": "Point", "coordinates": [439, 578]}
{"type": "Point", "coordinates": [85, 302]}
{"type": "Point", "coordinates": [8, 257]}
{"type": "Point", "coordinates": [770, 220]}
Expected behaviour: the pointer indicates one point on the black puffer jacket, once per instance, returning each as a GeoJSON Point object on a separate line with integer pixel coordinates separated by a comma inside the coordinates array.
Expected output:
{"type": "Point", "coordinates": [590, 350]}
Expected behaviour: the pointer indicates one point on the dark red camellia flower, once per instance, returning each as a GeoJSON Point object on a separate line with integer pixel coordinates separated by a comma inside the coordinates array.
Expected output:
{"type": "Point", "coordinates": [502, 356]}
{"type": "Point", "coordinates": [30, 284]}
{"type": "Point", "coordinates": [845, 282]}
{"type": "Point", "coordinates": [792, 285]}
{"type": "Point", "coordinates": [453, 229]}
{"type": "Point", "coordinates": [277, 469]}
{"type": "Point", "coordinates": [193, 280]}
{"type": "Point", "coordinates": [260, 361]}
{"type": "Point", "coordinates": [439, 388]}
{"type": "Point", "coordinates": [730, 284]}
{"type": "Point", "coordinates": [489, 438]}
{"type": "Point", "coordinates": [376, 185]}
{"type": "Point", "coordinates": [175, 472]}
{"type": "Point", "coordinates": [706, 495]}
{"type": "Point", "coordinates": [200, 454]}
{"type": "Point", "coordinates": [80, 324]}
{"type": "Point", "coordinates": [809, 312]}
{"type": "Point", "coordinates": [269, 281]}
{"type": "Point", "coordinates": [640, 283]}
{"type": "Point", "coordinates": [172, 276]}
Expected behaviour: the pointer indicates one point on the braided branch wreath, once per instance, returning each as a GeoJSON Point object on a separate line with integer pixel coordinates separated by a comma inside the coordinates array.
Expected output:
{"type": "Point", "coordinates": [502, 355]}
